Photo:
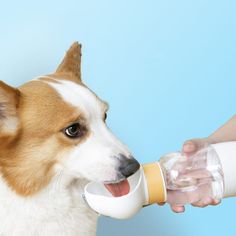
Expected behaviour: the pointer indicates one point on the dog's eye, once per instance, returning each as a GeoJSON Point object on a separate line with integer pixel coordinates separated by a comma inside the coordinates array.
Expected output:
{"type": "Point", "coordinates": [74, 131]}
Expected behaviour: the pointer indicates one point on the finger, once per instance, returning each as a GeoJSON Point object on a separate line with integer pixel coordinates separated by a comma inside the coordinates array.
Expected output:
{"type": "Point", "coordinates": [177, 209]}
{"type": "Point", "coordinates": [189, 147]}
{"type": "Point", "coordinates": [196, 174]}
{"type": "Point", "coordinates": [203, 203]}
{"type": "Point", "coordinates": [198, 143]}
{"type": "Point", "coordinates": [215, 202]}
{"type": "Point", "coordinates": [193, 145]}
{"type": "Point", "coordinates": [161, 203]}
{"type": "Point", "coordinates": [207, 202]}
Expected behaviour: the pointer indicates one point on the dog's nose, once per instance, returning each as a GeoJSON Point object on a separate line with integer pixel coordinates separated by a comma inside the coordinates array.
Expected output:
{"type": "Point", "coordinates": [128, 166]}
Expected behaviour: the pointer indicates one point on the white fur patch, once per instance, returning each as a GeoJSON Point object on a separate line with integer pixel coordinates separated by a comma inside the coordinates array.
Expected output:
{"type": "Point", "coordinates": [56, 210]}
{"type": "Point", "coordinates": [10, 124]}
{"type": "Point", "coordinates": [78, 96]}
{"type": "Point", "coordinates": [97, 157]}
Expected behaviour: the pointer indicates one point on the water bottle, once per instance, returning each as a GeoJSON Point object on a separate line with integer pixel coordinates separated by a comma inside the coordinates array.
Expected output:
{"type": "Point", "coordinates": [177, 179]}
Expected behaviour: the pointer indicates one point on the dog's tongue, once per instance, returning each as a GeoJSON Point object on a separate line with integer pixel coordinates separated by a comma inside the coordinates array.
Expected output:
{"type": "Point", "coordinates": [119, 189]}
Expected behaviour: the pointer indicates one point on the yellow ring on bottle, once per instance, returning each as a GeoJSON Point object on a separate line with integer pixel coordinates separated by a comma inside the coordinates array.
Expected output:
{"type": "Point", "coordinates": [155, 183]}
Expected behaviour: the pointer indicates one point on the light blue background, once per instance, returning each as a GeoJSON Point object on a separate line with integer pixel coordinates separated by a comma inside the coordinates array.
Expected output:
{"type": "Point", "coordinates": [167, 68]}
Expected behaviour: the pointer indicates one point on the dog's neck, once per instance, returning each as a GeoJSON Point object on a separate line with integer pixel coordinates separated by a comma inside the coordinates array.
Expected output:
{"type": "Point", "coordinates": [57, 210]}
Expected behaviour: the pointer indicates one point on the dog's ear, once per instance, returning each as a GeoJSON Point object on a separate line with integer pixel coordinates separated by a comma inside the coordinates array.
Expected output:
{"type": "Point", "coordinates": [71, 64]}
{"type": "Point", "coordinates": [9, 101]}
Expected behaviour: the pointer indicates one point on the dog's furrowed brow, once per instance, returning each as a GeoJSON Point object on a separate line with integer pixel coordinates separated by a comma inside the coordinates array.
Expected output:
{"type": "Point", "coordinates": [73, 119]}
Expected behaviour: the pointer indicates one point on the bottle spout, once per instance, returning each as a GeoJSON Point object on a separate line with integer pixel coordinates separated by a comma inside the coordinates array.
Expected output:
{"type": "Point", "coordinates": [103, 202]}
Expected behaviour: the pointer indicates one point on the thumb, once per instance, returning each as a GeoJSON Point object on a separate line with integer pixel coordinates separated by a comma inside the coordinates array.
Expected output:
{"type": "Point", "coordinates": [191, 146]}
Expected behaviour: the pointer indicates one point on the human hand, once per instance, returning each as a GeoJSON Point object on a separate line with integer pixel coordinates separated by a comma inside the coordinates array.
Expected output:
{"type": "Point", "coordinates": [189, 148]}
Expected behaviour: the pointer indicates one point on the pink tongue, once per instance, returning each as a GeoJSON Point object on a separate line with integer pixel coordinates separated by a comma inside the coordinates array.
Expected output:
{"type": "Point", "coordinates": [119, 189]}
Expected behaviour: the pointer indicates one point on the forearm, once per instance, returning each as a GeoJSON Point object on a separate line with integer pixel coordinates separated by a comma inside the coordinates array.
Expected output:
{"type": "Point", "coordinates": [225, 133]}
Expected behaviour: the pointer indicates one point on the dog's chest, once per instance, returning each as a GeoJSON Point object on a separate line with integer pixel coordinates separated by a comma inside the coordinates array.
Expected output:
{"type": "Point", "coordinates": [56, 211]}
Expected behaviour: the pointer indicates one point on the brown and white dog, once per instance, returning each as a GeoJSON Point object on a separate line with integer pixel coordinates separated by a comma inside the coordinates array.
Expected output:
{"type": "Point", "coordinates": [53, 141]}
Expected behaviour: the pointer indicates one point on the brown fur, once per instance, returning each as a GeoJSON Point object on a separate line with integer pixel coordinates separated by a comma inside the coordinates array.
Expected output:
{"type": "Point", "coordinates": [71, 64]}
{"type": "Point", "coordinates": [27, 162]}
{"type": "Point", "coordinates": [9, 102]}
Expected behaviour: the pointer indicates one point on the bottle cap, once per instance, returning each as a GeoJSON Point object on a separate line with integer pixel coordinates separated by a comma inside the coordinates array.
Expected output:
{"type": "Point", "coordinates": [155, 183]}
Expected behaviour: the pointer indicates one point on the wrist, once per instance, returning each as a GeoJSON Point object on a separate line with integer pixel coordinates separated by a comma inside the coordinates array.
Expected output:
{"type": "Point", "coordinates": [210, 139]}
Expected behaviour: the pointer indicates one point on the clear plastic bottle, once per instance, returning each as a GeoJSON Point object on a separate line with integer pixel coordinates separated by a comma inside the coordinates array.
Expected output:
{"type": "Point", "coordinates": [177, 179]}
{"type": "Point", "coordinates": [193, 179]}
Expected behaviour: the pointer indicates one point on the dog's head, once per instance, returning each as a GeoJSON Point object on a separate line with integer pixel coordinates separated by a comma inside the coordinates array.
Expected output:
{"type": "Point", "coordinates": [54, 125]}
